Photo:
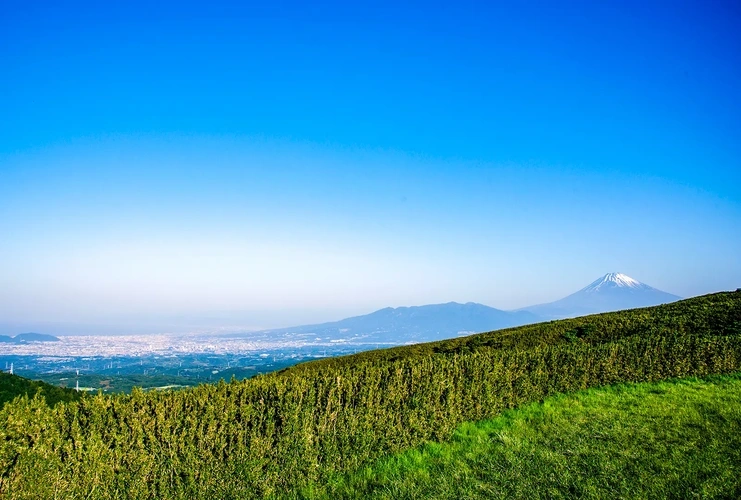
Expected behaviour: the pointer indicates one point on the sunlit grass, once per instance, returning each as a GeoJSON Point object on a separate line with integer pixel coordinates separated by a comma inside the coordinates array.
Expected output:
{"type": "Point", "coordinates": [674, 439]}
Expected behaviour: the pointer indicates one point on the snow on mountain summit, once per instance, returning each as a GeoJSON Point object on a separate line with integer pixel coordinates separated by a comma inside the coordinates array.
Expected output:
{"type": "Point", "coordinates": [611, 292]}
{"type": "Point", "coordinates": [615, 280]}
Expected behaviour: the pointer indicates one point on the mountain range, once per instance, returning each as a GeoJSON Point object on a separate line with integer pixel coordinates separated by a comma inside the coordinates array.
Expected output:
{"type": "Point", "coordinates": [417, 323]}
{"type": "Point", "coordinates": [611, 292]}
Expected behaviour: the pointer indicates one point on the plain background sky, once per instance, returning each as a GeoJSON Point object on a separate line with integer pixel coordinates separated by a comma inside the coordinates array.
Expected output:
{"type": "Point", "coordinates": [176, 166]}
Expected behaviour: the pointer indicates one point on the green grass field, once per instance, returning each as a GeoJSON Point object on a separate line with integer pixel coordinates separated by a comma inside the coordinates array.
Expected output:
{"type": "Point", "coordinates": [674, 439]}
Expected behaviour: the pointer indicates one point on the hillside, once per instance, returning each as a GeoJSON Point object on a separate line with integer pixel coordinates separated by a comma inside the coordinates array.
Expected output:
{"type": "Point", "coordinates": [676, 439]}
{"type": "Point", "coordinates": [275, 434]}
{"type": "Point", "coordinates": [22, 338]}
{"type": "Point", "coordinates": [35, 337]}
{"type": "Point", "coordinates": [12, 386]}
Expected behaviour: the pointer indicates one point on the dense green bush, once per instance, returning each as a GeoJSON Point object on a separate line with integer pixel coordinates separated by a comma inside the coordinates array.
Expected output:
{"type": "Point", "coordinates": [271, 434]}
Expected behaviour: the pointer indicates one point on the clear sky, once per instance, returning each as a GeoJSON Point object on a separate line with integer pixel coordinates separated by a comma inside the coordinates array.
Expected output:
{"type": "Point", "coordinates": [176, 165]}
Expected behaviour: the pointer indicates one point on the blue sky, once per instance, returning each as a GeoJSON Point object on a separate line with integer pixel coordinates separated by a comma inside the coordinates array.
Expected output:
{"type": "Point", "coordinates": [188, 164]}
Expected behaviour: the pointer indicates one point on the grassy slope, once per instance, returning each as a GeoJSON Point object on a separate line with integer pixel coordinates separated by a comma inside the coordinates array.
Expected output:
{"type": "Point", "coordinates": [675, 439]}
{"type": "Point", "coordinates": [12, 386]}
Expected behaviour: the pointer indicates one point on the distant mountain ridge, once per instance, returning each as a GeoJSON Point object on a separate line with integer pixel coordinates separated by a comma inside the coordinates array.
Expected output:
{"type": "Point", "coordinates": [611, 292]}
{"type": "Point", "coordinates": [417, 323]}
{"type": "Point", "coordinates": [22, 338]}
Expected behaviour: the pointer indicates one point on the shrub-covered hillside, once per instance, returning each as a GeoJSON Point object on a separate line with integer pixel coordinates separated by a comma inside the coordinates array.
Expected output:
{"type": "Point", "coordinates": [12, 386]}
{"type": "Point", "coordinates": [274, 434]}
{"type": "Point", "coordinates": [669, 439]}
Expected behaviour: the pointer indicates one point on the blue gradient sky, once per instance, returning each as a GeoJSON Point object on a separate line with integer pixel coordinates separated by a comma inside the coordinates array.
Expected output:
{"type": "Point", "coordinates": [193, 165]}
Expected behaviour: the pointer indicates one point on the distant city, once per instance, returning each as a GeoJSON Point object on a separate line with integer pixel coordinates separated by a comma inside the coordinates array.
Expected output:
{"type": "Point", "coordinates": [118, 362]}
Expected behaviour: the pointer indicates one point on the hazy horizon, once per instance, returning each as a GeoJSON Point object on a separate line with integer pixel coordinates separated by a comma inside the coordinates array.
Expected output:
{"type": "Point", "coordinates": [182, 166]}
{"type": "Point", "coordinates": [222, 322]}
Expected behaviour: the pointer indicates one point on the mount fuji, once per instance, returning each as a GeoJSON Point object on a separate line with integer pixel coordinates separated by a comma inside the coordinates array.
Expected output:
{"type": "Point", "coordinates": [611, 292]}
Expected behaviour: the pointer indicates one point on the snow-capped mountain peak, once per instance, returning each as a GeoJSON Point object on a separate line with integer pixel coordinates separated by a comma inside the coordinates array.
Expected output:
{"type": "Point", "coordinates": [615, 280]}
{"type": "Point", "coordinates": [611, 292]}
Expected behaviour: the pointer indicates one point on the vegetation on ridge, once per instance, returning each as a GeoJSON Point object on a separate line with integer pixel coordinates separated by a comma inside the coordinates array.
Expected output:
{"type": "Point", "coordinates": [719, 314]}
{"type": "Point", "coordinates": [12, 386]}
{"type": "Point", "coordinates": [274, 434]}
